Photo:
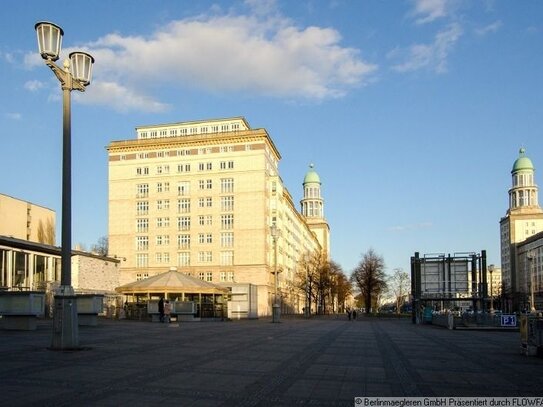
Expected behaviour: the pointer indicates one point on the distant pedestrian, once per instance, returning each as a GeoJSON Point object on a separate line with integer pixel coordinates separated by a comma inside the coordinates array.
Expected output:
{"type": "Point", "coordinates": [161, 309]}
{"type": "Point", "coordinates": [349, 313]}
{"type": "Point", "coordinates": [354, 314]}
{"type": "Point", "coordinates": [167, 311]}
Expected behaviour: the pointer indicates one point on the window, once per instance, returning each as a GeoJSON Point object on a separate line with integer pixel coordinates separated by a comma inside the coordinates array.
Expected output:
{"type": "Point", "coordinates": [205, 238]}
{"type": "Point", "coordinates": [142, 225]}
{"type": "Point", "coordinates": [162, 222]}
{"type": "Point", "coordinates": [201, 184]}
{"type": "Point", "coordinates": [201, 275]}
{"type": "Point", "coordinates": [183, 241]}
{"type": "Point", "coordinates": [142, 242]}
{"type": "Point", "coordinates": [227, 258]}
{"type": "Point", "coordinates": [205, 184]}
{"type": "Point", "coordinates": [183, 223]}
{"type": "Point", "coordinates": [227, 185]}
{"type": "Point", "coordinates": [209, 202]}
{"type": "Point", "coordinates": [209, 184]}
{"type": "Point", "coordinates": [227, 203]}
{"type": "Point", "coordinates": [158, 257]}
{"type": "Point", "coordinates": [205, 257]}
{"type": "Point", "coordinates": [209, 276]}
{"type": "Point", "coordinates": [142, 208]}
{"type": "Point", "coordinates": [226, 165]}
{"type": "Point", "coordinates": [141, 276]}
{"type": "Point", "coordinates": [183, 188]}
{"type": "Point", "coordinates": [201, 166]}
{"type": "Point", "coordinates": [205, 220]}
{"type": "Point", "coordinates": [183, 205]}
{"type": "Point", "coordinates": [163, 204]}
{"type": "Point", "coordinates": [183, 167]}
{"type": "Point", "coordinates": [162, 240]}
{"type": "Point", "coordinates": [142, 190]}
{"type": "Point", "coordinates": [209, 166]}
{"type": "Point", "coordinates": [183, 259]}
{"type": "Point", "coordinates": [227, 239]}
{"type": "Point", "coordinates": [230, 276]}
{"type": "Point", "coordinates": [227, 221]}
{"type": "Point", "coordinates": [142, 260]}
{"type": "Point", "coordinates": [142, 171]}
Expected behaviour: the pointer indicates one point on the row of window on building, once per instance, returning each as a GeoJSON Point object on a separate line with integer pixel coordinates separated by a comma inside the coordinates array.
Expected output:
{"type": "Point", "coordinates": [184, 206]}
{"type": "Point", "coordinates": [226, 258]}
{"type": "Point", "coordinates": [184, 222]}
{"type": "Point", "coordinates": [184, 240]}
{"type": "Point", "coordinates": [183, 187]}
{"type": "Point", "coordinates": [185, 131]}
{"type": "Point", "coordinates": [184, 168]}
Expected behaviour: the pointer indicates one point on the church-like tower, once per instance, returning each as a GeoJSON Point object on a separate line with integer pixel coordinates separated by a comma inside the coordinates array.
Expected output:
{"type": "Point", "coordinates": [524, 218]}
{"type": "Point", "coordinates": [313, 209]}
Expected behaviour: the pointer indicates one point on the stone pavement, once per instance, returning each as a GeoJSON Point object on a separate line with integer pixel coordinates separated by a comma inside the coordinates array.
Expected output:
{"type": "Point", "coordinates": [316, 362]}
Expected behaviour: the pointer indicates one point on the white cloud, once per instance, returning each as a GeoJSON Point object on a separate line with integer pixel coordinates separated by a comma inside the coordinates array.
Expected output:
{"type": "Point", "coordinates": [34, 85]}
{"type": "Point", "coordinates": [431, 56]}
{"type": "Point", "coordinates": [491, 28]}
{"type": "Point", "coordinates": [120, 98]}
{"type": "Point", "coordinates": [263, 54]}
{"type": "Point", "coordinates": [14, 116]}
{"type": "Point", "coordinates": [429, 10]}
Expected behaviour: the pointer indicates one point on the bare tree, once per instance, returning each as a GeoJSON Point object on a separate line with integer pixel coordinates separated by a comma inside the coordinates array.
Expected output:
{"type": "Point", "coordinates": [101, 247]}
{"type": "Point", "coordinates": [400, 284]}
{"type": "Point", "coordinates": [370, 278]}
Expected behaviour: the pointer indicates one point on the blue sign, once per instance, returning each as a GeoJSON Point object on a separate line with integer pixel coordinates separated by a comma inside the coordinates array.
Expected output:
{"type": "Point", "coordinates": [509, 320]}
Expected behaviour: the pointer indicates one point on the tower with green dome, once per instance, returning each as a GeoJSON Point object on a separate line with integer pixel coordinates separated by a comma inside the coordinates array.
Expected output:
{"type": "Point", "coordinates": [523, 219]}
{"type": "Point", "coordinates": [312, 208]}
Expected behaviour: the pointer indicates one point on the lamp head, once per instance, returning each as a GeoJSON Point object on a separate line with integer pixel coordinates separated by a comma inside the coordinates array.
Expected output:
{"type": "Point", "coordinates": [81, 66]}
{"type": "Point", "coordinates": [49, 39]}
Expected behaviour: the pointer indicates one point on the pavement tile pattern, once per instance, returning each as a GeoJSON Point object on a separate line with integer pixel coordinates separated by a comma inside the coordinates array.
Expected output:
{"type": "Point", "coordinates": [298, 362]}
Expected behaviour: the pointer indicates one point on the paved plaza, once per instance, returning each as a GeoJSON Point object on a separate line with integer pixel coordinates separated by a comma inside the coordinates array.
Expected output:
{"type": "Point", "coordinates": [316, 362]}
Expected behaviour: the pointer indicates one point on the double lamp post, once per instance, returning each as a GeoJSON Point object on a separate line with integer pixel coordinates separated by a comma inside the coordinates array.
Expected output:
{"type": "Point", "coordinates": [74, 75]}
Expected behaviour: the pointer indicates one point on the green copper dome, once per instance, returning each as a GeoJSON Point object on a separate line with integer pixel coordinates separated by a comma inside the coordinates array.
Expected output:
{"type": "Point", "coordinates": [522, 162]}
{"type": "Point", "coordinates": [312, 176]}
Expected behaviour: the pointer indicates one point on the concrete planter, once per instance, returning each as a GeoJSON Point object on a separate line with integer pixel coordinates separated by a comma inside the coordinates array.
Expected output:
{"type": "Point", "coordinates": [20, 309]}
{"type": "Point", "coordinates": [88, 308]}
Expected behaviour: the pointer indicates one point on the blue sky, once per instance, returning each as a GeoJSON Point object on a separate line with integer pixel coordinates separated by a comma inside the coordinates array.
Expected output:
{"type": "Point", "coordinates": [412, 111]}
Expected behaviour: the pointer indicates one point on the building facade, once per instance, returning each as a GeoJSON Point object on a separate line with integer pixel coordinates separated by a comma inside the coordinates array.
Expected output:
{"type": "Point", "coordinates": [524, 218]}
{"type": "Point", "coordinates": [25, 220]}
{"type": "Point", "coordinates": [201, 196]}
{"type": "Point", "coordinates": [530, 271]}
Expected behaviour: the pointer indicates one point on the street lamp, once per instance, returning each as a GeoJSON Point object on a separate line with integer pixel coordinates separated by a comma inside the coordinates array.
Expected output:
{"type": "Point", "coordinates": [491, 270]}
{"type": "Point", "coordinates": [75, 75]}
{"type": "Point", "coordinates": [531, 283]}
{"type": "Point", "coordinates": [276, 308]}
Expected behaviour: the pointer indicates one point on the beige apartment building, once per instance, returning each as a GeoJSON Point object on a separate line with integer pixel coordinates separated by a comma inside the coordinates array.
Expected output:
{"type": "Point", "coordinates": [27, 221]}
{"type": "Point", "coordinates": [201, 197]}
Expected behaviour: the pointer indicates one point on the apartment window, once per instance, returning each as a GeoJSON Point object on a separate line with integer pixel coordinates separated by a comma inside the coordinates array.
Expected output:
{"type": "Point", "coordinates": [205, 257]}
{"type": "Point", "coordinates": [183, 223]}
{"type": "Point", "coordinates": [183, 167]}
{"type": "Point", "coordinates": [162, 240]}
{"type": "Point", "coordinates": [142, 242]}
{"type": "Point", "coordinates": [142, 171]}
{"type": "Point", "coordinates": [227, 185]}
{"type": "Point", "coordinates": [201, 184]}
{"type": "Point", "coordinates": [142, 260]}
{"type": "Point", "coordinates": [227, 203]}
{"type": "Point", "coordinates": [229, 276]}
{"type": "Point", "coordinates": [141, 276]}
{"type": "Point", "coordinates": [209, 202]}
{"type": "Point", "coordinates": [183, 241]}
{"type": "Point", "coordinates": [183, 188]}
{"type": "Point", "coordinates": [163, 204]}
{"type": "Point", "coordinates": [183, 205]}
{"type": "Point", "coordinates": [226, 149]}
{"type": "Point", "coordinates": [201, 166]}
{"type": "Point", "coordinates": [159, 169]}
{"type": "Point", "coordinates": [201, 275]}
{"type": "Point", "coordinates": [183, 259]}
{"type": "Point", "coordinates": [227, 258]}
{"type": "Point", "coordinates": [142, 190]}
{"type": "Point", "coordinates": [158, 257]}
{"type": "Point", "coordinates": [205, 184]}
{"type": "Point", "coordinates": [163, 187]}
{"type": "Point", "coordinates": [162, 222]}
{"type": "Point", "coordinates": [183, 132]}
{"type": "Point", "coordinates": [226, 165]}
{"type": "Point", "coordinates": [248, 147]}
{"type": "Point", "coordinates": [209, 276]}
{"type": "Point", "coordinates": [209, 184]}
{"type": "Point", "coordinates": [227, 221]}
{"type": "Point", "coordinates": [215, 129]}
{"type": "Point", "coordinates": [142, 225]}
{"type": "Point", "coordinates": [205, 238]}
{"type": "Point", "coordinates": [142, 207]}
{"type": "Point", "coordinates": [205, 220]}
{"type": "Point", "coordinates": [209, 166]}
{"type": "Point", "coordinates": [227, 239]}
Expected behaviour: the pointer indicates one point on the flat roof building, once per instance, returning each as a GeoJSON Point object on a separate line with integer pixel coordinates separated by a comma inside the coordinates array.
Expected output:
{"type": "Point", "coordinates": [201, 196]}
